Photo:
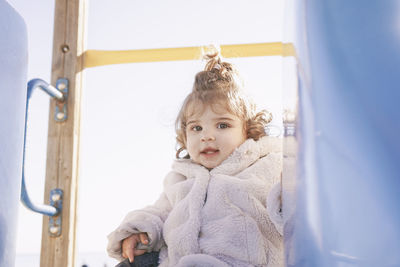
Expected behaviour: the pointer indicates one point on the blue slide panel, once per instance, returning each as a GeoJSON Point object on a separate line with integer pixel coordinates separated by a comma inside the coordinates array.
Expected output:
{"type": "Point", "coordinates": [348, 184]}
{"type": "Point", "coordinates": [13, 75]}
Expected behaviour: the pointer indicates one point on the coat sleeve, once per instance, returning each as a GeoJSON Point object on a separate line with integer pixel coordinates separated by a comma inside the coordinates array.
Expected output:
{"type": "Point", "coordinates": [150, 220]}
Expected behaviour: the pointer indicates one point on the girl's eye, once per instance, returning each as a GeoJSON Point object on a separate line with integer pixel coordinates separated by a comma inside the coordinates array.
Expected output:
{"type": "Point", "coordinates": [197, 128]}
{"type": "Point", "coordinates": [222, 125]}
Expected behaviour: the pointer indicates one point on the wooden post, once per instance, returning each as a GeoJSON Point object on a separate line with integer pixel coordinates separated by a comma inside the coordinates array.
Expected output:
{"type": "Point", "coordinates": [63, 137]}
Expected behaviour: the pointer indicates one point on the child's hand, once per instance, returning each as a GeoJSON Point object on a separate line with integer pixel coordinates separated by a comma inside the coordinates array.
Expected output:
{"type": "Point", "coordinates": [129, 245]}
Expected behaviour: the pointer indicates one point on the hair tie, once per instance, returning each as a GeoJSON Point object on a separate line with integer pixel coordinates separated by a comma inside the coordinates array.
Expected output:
{"type": "Point", "coordinates": [217, 66]}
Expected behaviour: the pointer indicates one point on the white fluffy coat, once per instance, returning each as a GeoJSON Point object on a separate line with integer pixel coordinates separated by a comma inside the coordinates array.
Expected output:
{"type": "Point", "coordinates": [220, 217]}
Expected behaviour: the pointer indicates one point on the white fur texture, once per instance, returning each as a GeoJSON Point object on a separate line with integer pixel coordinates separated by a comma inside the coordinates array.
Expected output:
{"type": "Point", "coordinates": [218, 217]}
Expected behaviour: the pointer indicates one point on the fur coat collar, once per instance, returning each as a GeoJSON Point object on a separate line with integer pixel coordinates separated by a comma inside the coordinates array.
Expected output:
{"type": "Point", "coordinates": [241, 158]}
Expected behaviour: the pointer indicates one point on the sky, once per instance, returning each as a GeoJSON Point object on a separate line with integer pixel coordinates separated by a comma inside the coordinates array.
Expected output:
{"type": "Point", "coordinates": [128, 112]}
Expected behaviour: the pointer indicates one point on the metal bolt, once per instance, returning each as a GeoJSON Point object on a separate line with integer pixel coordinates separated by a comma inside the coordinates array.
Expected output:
{"type": "Point", "coordinates": [61, 86]}
{"type": "Point", "coordinates": [65, 48]}
{"type": "Point", "coordinates": [55, 197]}
{"type": "Point", "coordinates": [54, 229]}
{"type": "Point", "coordinates": [60, 115]}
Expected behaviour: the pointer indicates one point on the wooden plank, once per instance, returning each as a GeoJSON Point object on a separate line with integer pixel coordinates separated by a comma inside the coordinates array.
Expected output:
{"type": "Point", "coordinates": [63, 137]}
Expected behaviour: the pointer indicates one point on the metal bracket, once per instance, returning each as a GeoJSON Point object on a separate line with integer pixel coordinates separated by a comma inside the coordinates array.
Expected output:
{"type": "Point", "coordinates": [289, 129]}
{"type": "Point", "coordinates": [55, 222]}
{"type": "Point", "coordinates": [61, 113]}
{"type": "Point", "coordinates": [53, 210]}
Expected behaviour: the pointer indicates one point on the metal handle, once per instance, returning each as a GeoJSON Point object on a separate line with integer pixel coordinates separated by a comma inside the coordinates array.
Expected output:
{"type": "Point", "coordinates": [55, 207]}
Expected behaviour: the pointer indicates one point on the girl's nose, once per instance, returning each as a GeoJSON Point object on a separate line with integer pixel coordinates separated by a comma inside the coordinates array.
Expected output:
{"type": "Point", "coordinates": [207, 136]}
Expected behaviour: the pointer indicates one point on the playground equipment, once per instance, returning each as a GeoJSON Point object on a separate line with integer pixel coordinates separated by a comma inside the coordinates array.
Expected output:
{"type": "Point", "coordinates": [348, 177]}
{"type": "Point", "coordinates": [13, 66]}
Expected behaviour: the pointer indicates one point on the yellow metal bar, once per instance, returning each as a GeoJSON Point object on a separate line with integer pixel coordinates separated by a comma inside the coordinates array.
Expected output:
{"type": "Point", "coordinates": [94, 58]}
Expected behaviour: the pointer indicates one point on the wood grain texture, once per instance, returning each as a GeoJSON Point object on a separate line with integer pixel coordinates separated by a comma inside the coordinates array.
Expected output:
{"type": "Point", "coordinates": [62, 165]}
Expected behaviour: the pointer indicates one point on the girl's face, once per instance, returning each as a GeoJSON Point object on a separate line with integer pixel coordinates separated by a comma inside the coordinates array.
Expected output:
{"type": "Point", "coordinates": [212, 134]}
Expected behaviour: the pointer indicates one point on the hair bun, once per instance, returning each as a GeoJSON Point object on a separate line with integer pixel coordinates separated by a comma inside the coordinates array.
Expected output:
{"type": "Point", "coordinates": [217, 75]}
{"type": "Point", "coordinates": [217, 69]}
{"type": "Point", "coordinates": [213, 61]}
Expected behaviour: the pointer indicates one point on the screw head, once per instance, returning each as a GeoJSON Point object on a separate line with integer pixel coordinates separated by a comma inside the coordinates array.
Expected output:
{"type": "Point", "coordinates": [65, 48]}
{"type": "Point", "coordinates": [55, 197]}
{"type": "Point", "coordinates": [54, 229]}
{"type": "Point", "coordinates": [61, 86]}
{"type": "Point", "coordinates": [60, 115]}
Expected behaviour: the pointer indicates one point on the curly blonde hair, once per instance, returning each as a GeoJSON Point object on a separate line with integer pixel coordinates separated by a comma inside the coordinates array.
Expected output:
{"type": "Point", "coordinates": [220, 84]}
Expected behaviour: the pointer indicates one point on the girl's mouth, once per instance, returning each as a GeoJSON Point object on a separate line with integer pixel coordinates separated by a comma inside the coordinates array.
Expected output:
{"type": "Point", "coordinates": [209, 152]}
